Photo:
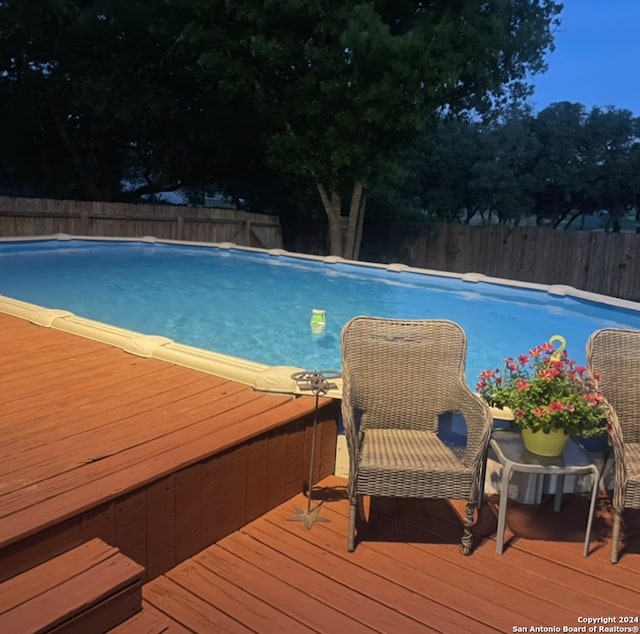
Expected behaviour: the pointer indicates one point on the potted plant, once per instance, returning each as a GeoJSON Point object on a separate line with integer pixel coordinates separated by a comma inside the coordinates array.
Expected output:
{"type": "Point", "coordinates": [550, 397]}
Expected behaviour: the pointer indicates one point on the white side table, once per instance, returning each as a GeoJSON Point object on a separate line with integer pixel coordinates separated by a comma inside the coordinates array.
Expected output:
{"type": "Point", "coordinates": [512, 455]}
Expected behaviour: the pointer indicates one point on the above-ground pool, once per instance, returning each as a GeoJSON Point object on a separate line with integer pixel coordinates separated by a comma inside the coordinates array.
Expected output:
{"type": "Point", "coordinates": [257, 305]}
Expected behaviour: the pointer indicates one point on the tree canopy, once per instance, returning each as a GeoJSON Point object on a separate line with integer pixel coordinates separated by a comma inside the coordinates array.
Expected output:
{"type": "Point", "coordinates": [105, 91]}
{"type": "Point", "coordinates": [557, 166]}
{"type": "Point", "coordinates": [343, 86]}
{"type": "Point", "coordinates": [271, 101]}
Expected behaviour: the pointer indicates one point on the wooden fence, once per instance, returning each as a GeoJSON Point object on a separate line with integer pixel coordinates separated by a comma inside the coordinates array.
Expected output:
{"type": "Point", "coordinates": [40, 216]}
{"type": "Point", "coordinates": [607, 263]}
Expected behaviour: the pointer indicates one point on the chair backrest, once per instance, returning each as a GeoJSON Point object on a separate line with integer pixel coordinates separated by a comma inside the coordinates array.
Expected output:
{"type": "Point", "coordinates": [614, 355]}
{"type": "Point", "coordinates": [407, 371]}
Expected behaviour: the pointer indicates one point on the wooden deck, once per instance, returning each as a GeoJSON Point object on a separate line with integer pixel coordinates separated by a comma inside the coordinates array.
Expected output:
{"type": "Point", "coordinates": [406, 574]}
{"type": "Point", "coordinates": [155, 459]}
{"type": "Point", "coordinates": [194, 478]}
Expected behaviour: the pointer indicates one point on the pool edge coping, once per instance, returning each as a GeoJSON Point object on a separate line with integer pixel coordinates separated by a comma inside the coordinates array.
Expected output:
{"type": "Point", "coordinates": [259, 376]}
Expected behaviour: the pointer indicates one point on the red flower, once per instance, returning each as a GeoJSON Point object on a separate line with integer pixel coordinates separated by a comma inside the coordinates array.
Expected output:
{"type": "Point", "coordinates": [546, 391]}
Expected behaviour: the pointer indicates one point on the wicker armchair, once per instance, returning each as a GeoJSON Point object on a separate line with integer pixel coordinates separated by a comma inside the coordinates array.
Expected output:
{"type": "Point", "coordinates": [614, 355]}
{"type": "Point", "coordinates": [398, 377]}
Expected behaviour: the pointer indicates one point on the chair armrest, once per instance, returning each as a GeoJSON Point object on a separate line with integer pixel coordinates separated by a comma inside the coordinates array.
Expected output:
{"type": "Point", "coordinates": [479, 421]}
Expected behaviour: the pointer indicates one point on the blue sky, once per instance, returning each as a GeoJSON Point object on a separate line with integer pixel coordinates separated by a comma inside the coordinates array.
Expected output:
{"type": "Point", "coordinates": [597, 56]}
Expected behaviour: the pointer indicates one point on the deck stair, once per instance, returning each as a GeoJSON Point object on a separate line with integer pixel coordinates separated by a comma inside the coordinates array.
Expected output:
{"type": "Point", "coordinates": [149, 621]}
{"type": "Point", "coordinates": [90, 588]}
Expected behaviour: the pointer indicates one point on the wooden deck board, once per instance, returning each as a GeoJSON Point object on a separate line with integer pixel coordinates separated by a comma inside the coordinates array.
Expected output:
{"type": "Point", "coordinates": [149, 621]}
{"type": "Point", "coordinates": [397, 598]}
{"type": "Point", "coordinates": [437, 584]}
{"type": "Point", "coordinates": [79, 591]}
{"type": "Point", "coordinates": [58, 468]}
{"type": "Point", "coordinates": [119, 424]}
{"type": "Point", "coordinates": [84, 423]}
{"type": "Point", "coordinates": [53, 572]}
{"type": "Point", "coordinates": [520, 568]}
{"type": "Point", "coordinates": [189, 610]}
{"type": "Point", "coordinates": [406, 573]}
{"type": "Point", "coordinates": [232, 598]}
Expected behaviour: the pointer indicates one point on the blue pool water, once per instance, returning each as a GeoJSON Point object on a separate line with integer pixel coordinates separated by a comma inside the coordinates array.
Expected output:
{"type": "Point", "coordinates": [258, 306]}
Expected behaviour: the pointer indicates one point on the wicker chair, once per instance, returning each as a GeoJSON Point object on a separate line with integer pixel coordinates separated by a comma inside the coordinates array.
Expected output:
{"type": "Point", "coordinates": [614, 355]}
{"type": "Point", "coordinates": [398, 377]}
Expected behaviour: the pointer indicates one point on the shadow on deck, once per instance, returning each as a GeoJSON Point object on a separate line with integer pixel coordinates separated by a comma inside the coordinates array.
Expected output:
{"type": "Point", "coordinates": [406, 574]}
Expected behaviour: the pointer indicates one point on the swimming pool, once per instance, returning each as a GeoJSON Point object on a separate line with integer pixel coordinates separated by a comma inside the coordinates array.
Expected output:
{"type": "Point", "coordinates": [252, 308]}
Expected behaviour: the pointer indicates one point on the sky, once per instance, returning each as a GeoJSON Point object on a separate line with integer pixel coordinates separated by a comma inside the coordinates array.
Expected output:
{"type": "Point", "coordinates": [597, 56]}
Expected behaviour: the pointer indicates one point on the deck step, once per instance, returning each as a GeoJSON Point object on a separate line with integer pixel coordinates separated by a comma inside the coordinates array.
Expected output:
{"type": "Point", "coordinates": [144, 622]}
{"type": "Point", "coordinates": [149, 621]}
{"type": "Point", "coordinates": [91, 588]}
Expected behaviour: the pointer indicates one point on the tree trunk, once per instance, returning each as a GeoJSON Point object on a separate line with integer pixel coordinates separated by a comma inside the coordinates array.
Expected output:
{"type": "Point", "coordinates": [332, 204]}
{"type": "Point", "coordinates": [345, 233]}
{"type": "Point", "coordinates": [356, 220]}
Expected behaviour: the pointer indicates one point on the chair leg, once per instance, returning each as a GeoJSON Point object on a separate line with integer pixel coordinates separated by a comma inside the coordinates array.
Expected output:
{"type": "Point", "coordinates": [481, 489]}
{"type": "Point", "coordinates": [615, 535]}
{"type": "Point", "coordinates": [469, 522]}
{"type": "Point", "coordinates": [353, 503]}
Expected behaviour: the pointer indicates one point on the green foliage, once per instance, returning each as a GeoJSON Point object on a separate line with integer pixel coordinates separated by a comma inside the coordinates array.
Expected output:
{"type": "Point", "coordinates": [545, 391]}
{"type": "Point", "coordinates": [254, 98]}
{"type": "Point", "coordinates": [89, 72]}
{"type": "Point", "coordinates": [614, 153]}
{"type": "Point", "coordinates": [105, 90]}
{"type": "Point", "coordinates": [504, 177]}
{"type": "Point", "coordinates": [325, 76]}
{"type": "Point", "coordinates": [445, 161]}
{"type": "Point", "coordinates": [343, 86]}
{"type": "Point", "coordinates": [554, 167]}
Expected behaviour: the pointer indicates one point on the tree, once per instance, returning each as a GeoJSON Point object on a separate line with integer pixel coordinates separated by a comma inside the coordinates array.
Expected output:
{"type": "Point", "coordinates": [447, 156]}
{"type": "Point", "coordinates": [83, 71]}
{"type": "Point", "coordinates": [614, 136]}
{"type": "Point", "coordinates": [585, 164]}
{"type": "Point", "coordinates": [563, 169]}
{"type": "Point", "coordinates": [558, 166]}
{"type": "Point", "coordinates": [101, 91]}
{"type": "Point", "coordinates": [503, 178]}
{"type": "Point", "coordinates": [343, 85]}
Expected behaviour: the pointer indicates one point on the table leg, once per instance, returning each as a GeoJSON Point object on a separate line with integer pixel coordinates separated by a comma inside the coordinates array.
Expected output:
{"type": "Point", "coordinates": [557, 501]}
{"type": "Point", "coordinates": [502, 512]}
{"type": "Point", "coordinates": [594, 497]}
